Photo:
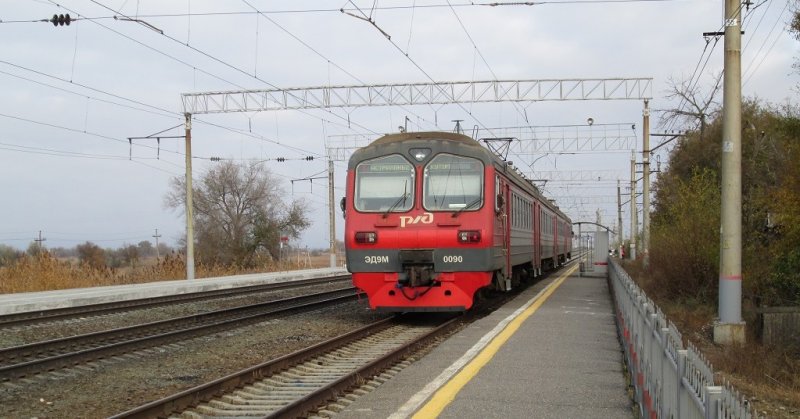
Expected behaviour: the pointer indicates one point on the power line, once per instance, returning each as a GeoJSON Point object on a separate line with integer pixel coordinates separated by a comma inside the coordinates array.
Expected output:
{"type": "Point", "coordinates": [168, 56]}
{"type": "Point", "coordinates": [62, 153]}
{"type": "Point", "coordinates": [408, 57]}
{"type": "Point", "coordinates": [319, 54]}
{"type": "Point", "coordinates": [93, 134]}
{"type": "Point", "coordinates": [111, 102]}
{"type": "Point", "coordinates": [104, 92]}
{"type": "Point", "coordinates": [766, 38]}
{"type": "Point", "coordinates": [83, 86]}
{"type": "Point", "coordinates": [207, 55]}
{"type": "Point", "coordinates": [338, 10]}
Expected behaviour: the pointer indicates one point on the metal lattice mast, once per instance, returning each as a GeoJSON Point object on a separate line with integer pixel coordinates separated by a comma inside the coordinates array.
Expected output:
{"type": "Point", "coordinates": [326, 97]}
{"type": "Point", "coordinates": [440, 93]}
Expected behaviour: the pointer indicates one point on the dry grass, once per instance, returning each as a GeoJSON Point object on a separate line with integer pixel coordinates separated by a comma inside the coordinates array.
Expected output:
{"type": "Point", "coordinates": [769, 376]}
{"type": "Point", "coordinates": [45, 272]}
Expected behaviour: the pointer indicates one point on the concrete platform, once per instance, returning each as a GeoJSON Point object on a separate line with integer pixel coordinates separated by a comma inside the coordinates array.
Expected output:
{"type": "Point", "coordinates": [551, 353]}
{"type": "Point", "coordinates": [35, 301]}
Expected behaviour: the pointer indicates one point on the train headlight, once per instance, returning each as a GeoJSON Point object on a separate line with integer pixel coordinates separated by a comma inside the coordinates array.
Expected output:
{"type": "Point", "coordinates": [419, 154]}
{"type": "Point", "coordinates": [469, 236]}
{"type": "Point", "coordinates": [366, 237]}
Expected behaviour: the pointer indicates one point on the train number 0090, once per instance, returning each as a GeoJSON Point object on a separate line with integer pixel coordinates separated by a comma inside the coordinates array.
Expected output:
{"type": "Point", "coordinates": [452, 259]}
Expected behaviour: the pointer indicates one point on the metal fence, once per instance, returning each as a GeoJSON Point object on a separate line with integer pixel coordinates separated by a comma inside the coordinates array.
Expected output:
{"type": "Point", "coordinates": [670, 381]}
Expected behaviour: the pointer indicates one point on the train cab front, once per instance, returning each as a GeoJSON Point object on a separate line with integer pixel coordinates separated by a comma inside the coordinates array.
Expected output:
{"type": "Point", "coordinates": [400, 280]}
{"type": "Point", "coordinates": [407, 235]}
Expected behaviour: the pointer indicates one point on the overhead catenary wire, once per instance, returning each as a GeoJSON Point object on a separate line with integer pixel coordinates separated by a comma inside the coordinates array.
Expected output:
{"type": "Point", "coordinates": [319, 54]}
{"type": "Point", "coordinates": [338, 10]}
{"type": "Point", "coordinates": [163, 54]}
{"type": "Point", "coordinates": [155, 110]}
{"type": "Point", "coordinates": [218, 60]}
{"type": "Point", "coordinates": [417, 65]}
{"type": "Point", "coordinates": [766, 39]}
{"type": "Point", "coordinates": [693, 82]}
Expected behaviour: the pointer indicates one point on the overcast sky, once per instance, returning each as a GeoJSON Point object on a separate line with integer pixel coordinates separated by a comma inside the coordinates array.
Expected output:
{"type": "Point", "coordinates": [72, 95]}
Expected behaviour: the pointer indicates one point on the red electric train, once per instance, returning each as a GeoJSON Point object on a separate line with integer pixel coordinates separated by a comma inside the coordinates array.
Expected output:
{"type": "Point", "coordinates": [432, 217]}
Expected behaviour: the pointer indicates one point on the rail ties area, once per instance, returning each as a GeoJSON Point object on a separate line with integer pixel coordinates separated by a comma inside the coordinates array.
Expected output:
{"type": "Point", "coordinates": [293, 385]}
{"type": "Point", "coordinates": [22, 361]}
{"type": "Point", "coordinates": [98, 309]}
{"type": "Point", "coordinates": [550, 350]}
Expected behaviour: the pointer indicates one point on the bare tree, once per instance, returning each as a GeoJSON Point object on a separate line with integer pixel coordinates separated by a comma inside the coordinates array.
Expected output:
{"type": "Point", "coordinates": [238, 211]}
{"type": "Point", "coordinates": [694, 107]}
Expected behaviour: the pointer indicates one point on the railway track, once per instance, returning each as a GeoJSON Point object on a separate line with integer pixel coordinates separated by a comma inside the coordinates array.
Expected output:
{"type": "Point", "coordinates": [301, 382]}
{"type": "Point", "coordinates": [26, 360]}
{"type": "Point", "coordinates": [33, 317]}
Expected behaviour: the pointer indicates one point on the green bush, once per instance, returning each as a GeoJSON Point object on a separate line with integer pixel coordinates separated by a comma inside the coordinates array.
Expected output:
{"type": "Point", "coordinates": [686, 233]}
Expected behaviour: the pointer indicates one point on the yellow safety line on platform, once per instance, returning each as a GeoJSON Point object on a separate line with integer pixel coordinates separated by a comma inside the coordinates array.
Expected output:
{"type": "Point", "coordinates": [445, 395]}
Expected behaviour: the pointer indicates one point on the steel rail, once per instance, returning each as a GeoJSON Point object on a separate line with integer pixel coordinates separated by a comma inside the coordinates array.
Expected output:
{"type": "Point", "coordinates": [40, 316]}
{"type": "Point", "coordinates": [85, 348]}
{"type": "Point", "coordinates": [311, 400]}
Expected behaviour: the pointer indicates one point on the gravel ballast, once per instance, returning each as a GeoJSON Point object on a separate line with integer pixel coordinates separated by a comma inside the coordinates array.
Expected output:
{"type": "Point", "coordinates": [112, 386]}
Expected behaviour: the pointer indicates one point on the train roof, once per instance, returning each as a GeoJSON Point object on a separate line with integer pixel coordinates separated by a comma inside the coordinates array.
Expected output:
{"type": "Point", "coordinates": [457, 144]}
{"type": "Point", "coordinates": [453, 143]}
{"type": "Point", "coordinates": [427, 135]}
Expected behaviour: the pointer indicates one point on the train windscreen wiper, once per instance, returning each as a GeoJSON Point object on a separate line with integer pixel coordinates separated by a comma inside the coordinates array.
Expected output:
{"type": "Point", "coordinates": [399, 200]}
{"type": "Point", "coordinates": [468, 206]}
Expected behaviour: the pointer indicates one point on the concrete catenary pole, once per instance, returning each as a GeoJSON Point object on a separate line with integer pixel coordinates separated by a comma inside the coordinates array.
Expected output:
{"type": "Point", "coordinates": [620, 236]}
{"type": "Point", "coordinates": [730, 328]}
{"type": "Point", "coordinates": [646, 184]}
{"type": "Point", "coordinates": [634, 221]}
{"type": "Point", "coordinates": [189, 202]}
{"type": "Point", "coordinates": [331, 214]}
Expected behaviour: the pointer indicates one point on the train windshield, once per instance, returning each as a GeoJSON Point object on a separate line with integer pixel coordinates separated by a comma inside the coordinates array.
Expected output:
{"type": "Point", "coordinates": [385, 184]}
{"type": "Point", "coordinates": [453, 183]}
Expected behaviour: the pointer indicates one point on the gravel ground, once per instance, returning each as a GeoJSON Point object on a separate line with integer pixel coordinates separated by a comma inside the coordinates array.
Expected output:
{"type": "Point", "coordinates": [22, 335]}
{"type": "Point", "coordinates": [126, 382]}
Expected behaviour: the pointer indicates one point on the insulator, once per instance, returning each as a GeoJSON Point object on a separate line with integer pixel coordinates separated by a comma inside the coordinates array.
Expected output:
{"type": "Point", "coordinates": [61, 20]}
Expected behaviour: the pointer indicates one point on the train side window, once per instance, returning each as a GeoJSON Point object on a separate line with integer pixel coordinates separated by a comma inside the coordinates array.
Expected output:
{"type": "Point", "coordinates": [384, 184]}
{"type": "Point", "coordinates": [497, 191]}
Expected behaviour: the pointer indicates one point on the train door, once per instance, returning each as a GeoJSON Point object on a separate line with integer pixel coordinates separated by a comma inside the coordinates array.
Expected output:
{"type": "Point", "coordinates": [508, 211]}
{"type": "Point", "coordinates": [556, 238]}
{"type": "Point", "coordinates": [502, 232]}
{"type": "Point", "coordinates": [537, 239]}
